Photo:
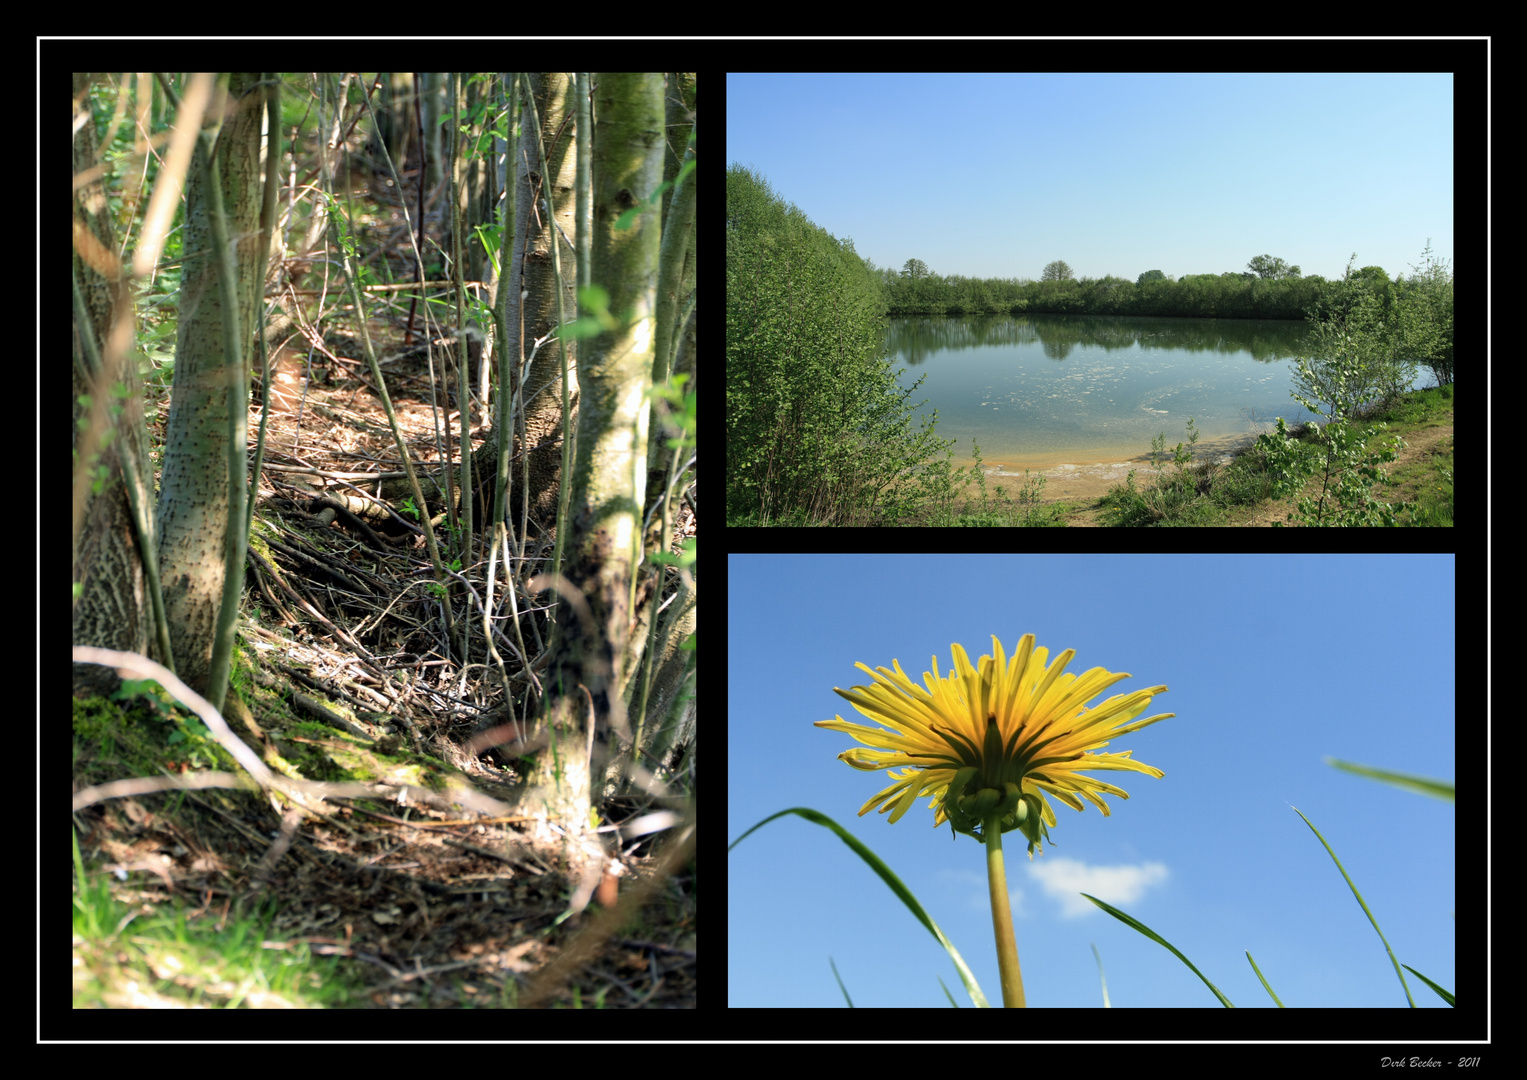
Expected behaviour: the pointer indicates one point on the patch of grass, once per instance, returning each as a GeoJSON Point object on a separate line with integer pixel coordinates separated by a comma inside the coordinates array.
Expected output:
{"type": "Point", "coordinates": [134, 949]}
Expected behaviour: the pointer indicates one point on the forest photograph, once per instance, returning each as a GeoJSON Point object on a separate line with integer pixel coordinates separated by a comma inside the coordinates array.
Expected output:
{"type": "Point", "coordinates": [384, 540]}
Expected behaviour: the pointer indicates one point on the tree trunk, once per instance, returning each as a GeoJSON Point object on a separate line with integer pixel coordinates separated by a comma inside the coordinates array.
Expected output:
{"type": "Point", "coordinates": [531, 303]}
{"type": "Point", "coordinates": [193, 500]}
{"type": "Point", "coordinates": [594, 620]}
{"type": "Point", "coordinates": [112, 609]}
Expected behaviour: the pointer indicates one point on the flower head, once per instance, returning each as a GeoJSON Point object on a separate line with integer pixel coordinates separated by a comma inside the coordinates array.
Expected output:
{"type": "Point", "coordinates": [989, 743]}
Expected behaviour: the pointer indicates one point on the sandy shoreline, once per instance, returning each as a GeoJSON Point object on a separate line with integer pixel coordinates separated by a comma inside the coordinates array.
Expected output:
{"type": "Point", "coordinates": [1083, 480]}
{"type": "Point", "coordinates": [1070, 481]}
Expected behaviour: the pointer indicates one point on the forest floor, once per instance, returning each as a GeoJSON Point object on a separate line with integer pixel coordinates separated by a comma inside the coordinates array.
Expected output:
{"type": "Point", "coordinates": [420, 888]}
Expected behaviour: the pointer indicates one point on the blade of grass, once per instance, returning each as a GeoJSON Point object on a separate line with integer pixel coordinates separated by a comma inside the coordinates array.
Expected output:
{"type": "Point", "coordinates": [1130, 921]}
{"type": "Point", "coordinates": [1437, 789]}
{"type": "Point", "coordinates": [1366, 912]}
{"type": "Point", "coordinates": [902, 892]}
{"type": "Point", "coordinates": [1443, 994]}
{"type": "Point", "coordinates": [1101, 977]}
{"type": "Point", "coordinates": [841, 987]}
{"type": "Point", "coordinates": [1264, 981]}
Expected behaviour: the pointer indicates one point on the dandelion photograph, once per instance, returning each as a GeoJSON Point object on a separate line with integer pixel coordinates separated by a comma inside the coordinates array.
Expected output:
{"type": "Point", "coordinates": [1106, 781]}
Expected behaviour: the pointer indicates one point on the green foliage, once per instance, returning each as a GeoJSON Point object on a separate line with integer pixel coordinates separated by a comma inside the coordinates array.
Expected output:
{"type": "Point", "coordinates": [1057, 271]}
{"type": "Point", "coordinates": [1347, 472]}
{"type": "Point", "coordinates": [685, 560]}
{"type": "Point", "coordinates": [817, 424]}
{"type": "Point", "coordinates": [193, 744]}
{"type": "Point", "coordinates": [680, 412]}
{"type": "Point", "coordinates": [1173, 499]}
{"type": "Point", "coordinates": [594, 302]}
{"type": "Point", "coordinates": [339, 218]}
{"type": "Point", "coordinates": [1349, 364]}
{"type": "Point", "coordinates": [914, 269]}
{"type": "Point", "coordinates": [1276, 291]}
{"type": "Point", "coordinates": [156, 699]}
{"type": "Point", "coordinates": [190, 743]}
{"type": "Point", "coordinates": [1372, 278]}
{"type": "Point", "coordinates": [1268, 267]}
{"type": "Point", "coordinates": [940, 497]}
{"type": "Point", "coordinates": [1430, 290]}
{"type": "Point", "coordinates": [1348, 367]}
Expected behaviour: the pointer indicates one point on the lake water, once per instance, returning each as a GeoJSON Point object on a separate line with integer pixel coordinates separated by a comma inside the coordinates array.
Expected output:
{"type": "Point", "coordinates": [1037, 391]}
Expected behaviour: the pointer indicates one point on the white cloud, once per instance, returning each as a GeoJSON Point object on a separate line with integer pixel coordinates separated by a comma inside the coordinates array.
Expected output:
{"type": "Point", "coordinates": [1067, 879]}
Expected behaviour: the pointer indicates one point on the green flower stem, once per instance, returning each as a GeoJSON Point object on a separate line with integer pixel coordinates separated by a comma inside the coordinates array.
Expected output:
{"type": "Point", "coordinates": [1002, 916]}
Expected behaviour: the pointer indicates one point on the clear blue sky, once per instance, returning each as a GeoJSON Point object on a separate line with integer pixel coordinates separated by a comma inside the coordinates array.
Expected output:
{"type": "Point", "coordinates": [994, 176]}
{"type": "Point", "coordinates": [1272, 663]}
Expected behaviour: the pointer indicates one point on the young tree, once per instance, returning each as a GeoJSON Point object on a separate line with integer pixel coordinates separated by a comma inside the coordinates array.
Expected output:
{"type": "Point", "coordinates": [606, 488]}
{"type": "Point", "coordinates": [195, 531]}
{"type": "Point", "coordinates": [1341, 372]}
{"type": "Point", "coordinates": [530, 300]}
{"type": "Point", "coordinates": [1347, 357]}
{"type": "Point", "coordinates": [197, 502]}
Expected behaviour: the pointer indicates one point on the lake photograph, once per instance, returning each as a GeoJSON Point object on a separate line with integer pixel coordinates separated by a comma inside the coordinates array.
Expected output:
{"type": "Point", "coordinates": [1094, 315]}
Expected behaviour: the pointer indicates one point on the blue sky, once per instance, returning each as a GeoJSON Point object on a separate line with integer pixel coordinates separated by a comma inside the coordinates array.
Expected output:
{"type": "Point", "coordinates": [997, 175]}
{"type": "Point", "coordinates": [1271, 663]}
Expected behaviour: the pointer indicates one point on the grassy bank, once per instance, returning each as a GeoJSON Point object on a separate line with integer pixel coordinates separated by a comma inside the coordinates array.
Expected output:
{"type": "Point", "coordinates": [1239, 493]}
{"type": "Point", "coordinates": [1203, 494]}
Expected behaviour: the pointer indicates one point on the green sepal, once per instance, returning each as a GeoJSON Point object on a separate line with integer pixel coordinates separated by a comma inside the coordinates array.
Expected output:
{"type": "Point", "coordinates": [981, 803]}
{"type": "Point", "coordinates": [959, 820]}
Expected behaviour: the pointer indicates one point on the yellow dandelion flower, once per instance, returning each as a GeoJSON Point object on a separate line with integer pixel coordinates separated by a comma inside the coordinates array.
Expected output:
{"type": "Point", "coordinates": [989, 743]}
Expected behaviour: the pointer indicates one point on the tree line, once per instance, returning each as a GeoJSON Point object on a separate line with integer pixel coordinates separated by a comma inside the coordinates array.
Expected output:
{"type": "Point", "coordinates": [1227, 296]}
{"type": "Point", "coordinates": [1268, 289]}
{"type": "Point", "coordinates": [1413, 310]}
